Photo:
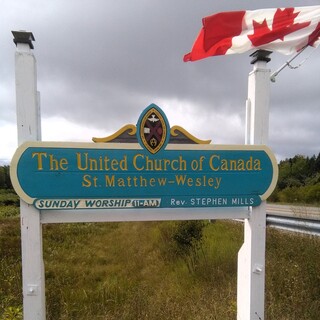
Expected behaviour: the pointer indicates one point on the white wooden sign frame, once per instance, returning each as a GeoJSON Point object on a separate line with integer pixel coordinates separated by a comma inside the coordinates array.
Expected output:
{"type": "Point", "coordinates": [251, 257]}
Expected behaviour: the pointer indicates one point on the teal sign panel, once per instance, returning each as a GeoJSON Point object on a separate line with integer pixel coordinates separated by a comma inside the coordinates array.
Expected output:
{"type": "Point", "coordinates": [57, 175]}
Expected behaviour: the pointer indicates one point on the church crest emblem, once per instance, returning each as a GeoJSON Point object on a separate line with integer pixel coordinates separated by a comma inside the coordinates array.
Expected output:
{"type": "Point", "coordinates": [153, 129]}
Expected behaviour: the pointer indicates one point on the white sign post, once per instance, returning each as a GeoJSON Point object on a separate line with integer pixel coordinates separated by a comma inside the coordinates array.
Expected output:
{"type": "Point", "coordinates": [251, 259]}
{"type": "Point", "coordinates": [28, 118]}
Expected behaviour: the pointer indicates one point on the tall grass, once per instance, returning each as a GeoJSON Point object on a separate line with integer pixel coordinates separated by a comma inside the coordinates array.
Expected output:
{"type": "Point", "coordinates": [293, 276]}
{"type": "Point", "coordinates": [129, 271]}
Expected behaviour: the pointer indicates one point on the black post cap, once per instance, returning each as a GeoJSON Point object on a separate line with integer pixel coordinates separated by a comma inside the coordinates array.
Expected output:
{"type": "Point", "coordinates": [260, 55]}
{"type": "Point", "coordinates": [23, 37]}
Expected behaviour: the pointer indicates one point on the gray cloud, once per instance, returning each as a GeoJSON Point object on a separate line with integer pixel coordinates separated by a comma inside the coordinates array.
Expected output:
{"type": "Point", "coordinates": [100, 63]}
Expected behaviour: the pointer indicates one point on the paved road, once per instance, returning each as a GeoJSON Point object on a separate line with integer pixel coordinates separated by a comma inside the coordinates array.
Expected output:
{"type": "Point", "coordinates": [294, 211]}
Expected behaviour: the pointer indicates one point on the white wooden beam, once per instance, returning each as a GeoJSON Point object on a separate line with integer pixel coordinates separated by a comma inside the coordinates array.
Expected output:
{"type": "Point", "coordinates": [28, 122]}
{"type": "Point", "coordinates": [251, 256]}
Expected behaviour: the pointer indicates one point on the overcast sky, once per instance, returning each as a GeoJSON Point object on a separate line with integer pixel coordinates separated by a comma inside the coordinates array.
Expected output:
{"type": "Point", "coordinates": [100, 63]}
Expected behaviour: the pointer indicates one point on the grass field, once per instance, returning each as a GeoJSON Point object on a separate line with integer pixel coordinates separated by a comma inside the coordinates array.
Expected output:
{"type": "Point", "coordinates": [142, 271]}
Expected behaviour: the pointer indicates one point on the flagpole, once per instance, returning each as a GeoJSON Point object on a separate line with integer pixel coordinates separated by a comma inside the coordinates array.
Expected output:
{"type": "Point", "coordinates": [287, 64]}
{"type": "Point", "coordinates": [251, 256]}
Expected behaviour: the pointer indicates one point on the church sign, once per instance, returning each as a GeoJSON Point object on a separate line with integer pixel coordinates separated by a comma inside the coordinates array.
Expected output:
{"type": "Point", "coordinates": [149, 165]}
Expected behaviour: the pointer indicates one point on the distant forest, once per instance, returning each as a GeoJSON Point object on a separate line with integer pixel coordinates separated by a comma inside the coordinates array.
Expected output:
{"type": "Point", "coordinates": [5, 182]}
{"type": "Point", "coordinates": [299, 180]}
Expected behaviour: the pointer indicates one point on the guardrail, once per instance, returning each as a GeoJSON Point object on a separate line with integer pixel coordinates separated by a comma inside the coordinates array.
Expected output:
{"type": "Point", "coordinates": [296, 224]}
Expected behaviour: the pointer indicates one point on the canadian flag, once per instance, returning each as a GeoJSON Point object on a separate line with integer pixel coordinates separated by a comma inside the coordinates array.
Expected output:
{"type": "Point", "coordinates": [285, 30]}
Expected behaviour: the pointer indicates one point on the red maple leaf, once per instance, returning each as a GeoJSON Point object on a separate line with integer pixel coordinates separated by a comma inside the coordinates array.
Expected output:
{"type": "Point", "coordinates": [315, 35]}
{"type": "Point", "coordinates": [282, 25]}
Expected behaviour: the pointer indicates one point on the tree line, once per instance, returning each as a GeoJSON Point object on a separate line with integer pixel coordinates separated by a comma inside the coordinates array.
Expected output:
{"type": "Point", "coordinates": [5, 181]}
{"type": "Point", "coordinates": [299, 180]}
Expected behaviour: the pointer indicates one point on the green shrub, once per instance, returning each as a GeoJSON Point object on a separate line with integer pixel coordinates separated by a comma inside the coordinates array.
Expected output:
{"type": "Point", "coordinates": [307, 195]}
{"type": "Point", "coordinates": [8, 197]}
{"type": "Point", "coordinates": [9, 211]}
{"type": "Point", "coordinates": [312, 194]}
{"type": "Point", "coordinates": [12, 313]}
{"type": "Point", "coordinates": [183, 240]}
